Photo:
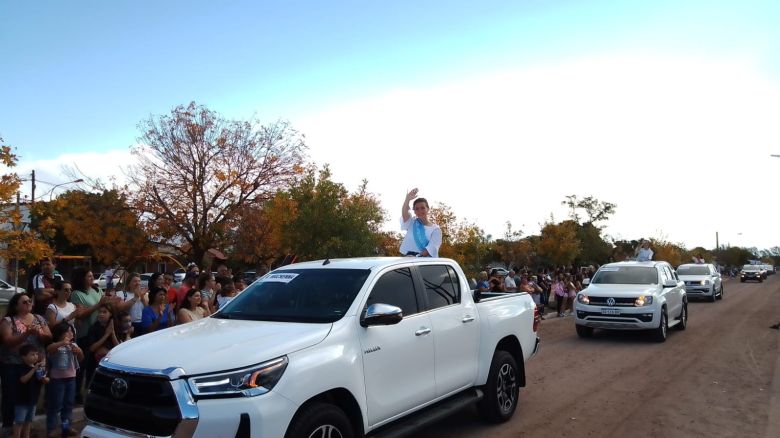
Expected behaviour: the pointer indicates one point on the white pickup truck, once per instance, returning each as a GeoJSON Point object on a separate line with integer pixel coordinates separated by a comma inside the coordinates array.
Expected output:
{"type": "Point", "coordinates": [334, 348]}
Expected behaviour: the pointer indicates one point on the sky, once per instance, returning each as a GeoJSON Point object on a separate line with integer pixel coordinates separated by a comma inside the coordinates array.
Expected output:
{"type": "Point", "coordinates": [497, 109]}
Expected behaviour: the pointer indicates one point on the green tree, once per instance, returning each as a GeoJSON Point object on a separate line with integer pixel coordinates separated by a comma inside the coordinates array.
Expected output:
{"type": "Point", "coordinates": [100, 224]}
{"type": "Point", "coordinates": [597, 211]}
{"type": "Point", "coordinates": [198, 171]}
{"type": "Point", "coordinates": [558, 243]}
{"type": "Point", "coordinates": [594, 249]}
{"type": "Point", "coordinates": [319, 218]}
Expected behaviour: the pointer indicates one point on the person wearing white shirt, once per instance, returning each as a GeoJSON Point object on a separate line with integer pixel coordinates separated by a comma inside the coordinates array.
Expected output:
{"type": "Point", "coordinates": [643, 252]}
{"type": "Point", "coordinates": [423, 237]}
{"type": "Point", "coordinates": [509, 282]}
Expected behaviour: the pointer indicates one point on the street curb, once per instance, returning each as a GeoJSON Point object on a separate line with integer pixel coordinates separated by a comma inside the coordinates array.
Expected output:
{"type": "Point", "coordinates": [39, 422]}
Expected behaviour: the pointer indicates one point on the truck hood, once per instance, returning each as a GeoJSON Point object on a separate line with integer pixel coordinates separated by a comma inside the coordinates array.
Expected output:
{"type": "Point", "coordinates": [620, 290]}
{"type": "Point", "coordinates": [212, 344]}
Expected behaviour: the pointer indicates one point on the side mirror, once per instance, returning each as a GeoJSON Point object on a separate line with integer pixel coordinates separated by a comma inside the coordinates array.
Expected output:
{"type": "Point", "coordinates": [585, 281]}
{"type": "Point", "coordinates": [381, 314]}
{"type": "Point", "coordinates": [670, 283]}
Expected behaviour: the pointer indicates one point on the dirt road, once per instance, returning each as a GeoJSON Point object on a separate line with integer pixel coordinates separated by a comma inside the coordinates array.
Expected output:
{"type": "Point", "coordinates": [718, 378]}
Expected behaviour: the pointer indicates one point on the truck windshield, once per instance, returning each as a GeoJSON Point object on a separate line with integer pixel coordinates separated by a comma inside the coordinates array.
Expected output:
{"type": "Point", "coordinates": [693, 270]}
{"type": "Point", "coordinates": [750, 268]}
{"type": "Point", "coordinates": [297, 295]}
{"type": "Point", "coordinates": [626, 275]}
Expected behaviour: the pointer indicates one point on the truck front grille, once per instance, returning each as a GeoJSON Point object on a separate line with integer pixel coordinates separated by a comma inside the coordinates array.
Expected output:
{"type": "Point", "coordinates": [138, 403]}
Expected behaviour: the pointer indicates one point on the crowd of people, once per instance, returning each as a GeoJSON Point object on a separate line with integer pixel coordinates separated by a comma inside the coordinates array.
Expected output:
{"type": "Point", "coordinates": [559, 285]}
{"type": "Point", "coordinates": [53, 337]}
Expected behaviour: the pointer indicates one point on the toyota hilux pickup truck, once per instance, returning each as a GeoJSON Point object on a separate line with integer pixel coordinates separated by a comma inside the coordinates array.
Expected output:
{"type": "Point", "coordinates": [632, 296]}
{"type": "Point", "coordinates": [336, 348]}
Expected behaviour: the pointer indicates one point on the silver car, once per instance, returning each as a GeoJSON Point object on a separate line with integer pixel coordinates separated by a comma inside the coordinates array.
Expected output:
{"type": "Point", "coordinates": [7, 291]}
{"type": "Point", "coordinates": [702, 280]}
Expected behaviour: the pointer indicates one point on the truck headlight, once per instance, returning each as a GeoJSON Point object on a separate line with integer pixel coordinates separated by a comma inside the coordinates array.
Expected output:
{"type": "Point", "coordinates": [705, 282]}
{"type": "Point", "coordinates": [583, 299]}
{"type": "Point", "coordinates": [245, 382]}
{"type": "Point", "coordinates": [643, 300]}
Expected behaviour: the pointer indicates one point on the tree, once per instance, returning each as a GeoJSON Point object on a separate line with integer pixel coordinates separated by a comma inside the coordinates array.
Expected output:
{"type": "Point", "coordinates": [318, 218]}
{"type": "Point", "coordinates": [594, 249]}
{"type": "Point", "coordinates": [197, 171]}
{"type": "Point", "coordinates": [17, 240]}
{"type": "Point", "coordinates": [596, 210]}
{"type": "Point", "coordinates": [558, 243]}
{"type": "Point", "coordinates": [102, 223]}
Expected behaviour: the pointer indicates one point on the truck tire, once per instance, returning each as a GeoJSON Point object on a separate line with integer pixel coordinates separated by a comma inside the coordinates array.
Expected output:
{"type": "Point", "coordinates": [713, 297]}
{"type": "Point", "coordinates": [659, 334]}
{"type": "Point", "coordinates": [320, 420]}
{"type": "Point", "coordinates": [682, 324]}
{"type": "Point", "coordinates": [720, 296]}
{"type": "Point", "coordinates": [584, 332]}
{"type": "Point", "coordinates": [501, 390]}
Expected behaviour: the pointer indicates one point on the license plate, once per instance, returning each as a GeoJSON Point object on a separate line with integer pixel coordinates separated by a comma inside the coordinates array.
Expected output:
{"type": "Point", "coordinates": [610, 311]}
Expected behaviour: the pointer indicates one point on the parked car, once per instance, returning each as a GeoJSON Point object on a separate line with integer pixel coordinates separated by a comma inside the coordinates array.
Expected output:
{"type": "Point", "coordinates": [752, 273]}
{"type": "Point", "coordinates": [334, 348]}
{"type": "Point", "coordinates": [101, 281]}
{"type": "Point", "coordinates": [7, 291]}
{"type": "Point", "coordinates": [632, 296]}
{"type": "Point", "coordinates": [500, 271]}
{"type": "Point", "coordinates": [178, 275]}
{"type": "Point", "coordinates": [701, 280]}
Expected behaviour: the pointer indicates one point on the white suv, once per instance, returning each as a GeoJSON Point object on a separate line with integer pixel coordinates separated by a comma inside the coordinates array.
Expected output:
{"type": "Point", "coordinates": [632, 296]}
{"type": "Point", "coordinates": [701, 280]}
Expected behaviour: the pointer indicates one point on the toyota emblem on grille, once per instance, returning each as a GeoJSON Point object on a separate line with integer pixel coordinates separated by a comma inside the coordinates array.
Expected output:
{"type": "Point", "coordinates": [610, 301]}
{"type": "Point", "coordinates": [119, 388]}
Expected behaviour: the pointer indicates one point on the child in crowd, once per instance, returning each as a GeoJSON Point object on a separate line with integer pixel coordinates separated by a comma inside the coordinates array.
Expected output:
{"type": "Point", "coordinates": [226, 294]}
{"type": "Point", "coordinates": [64, 358]}
{"type": "Point", "coordinates": [102, 337]}
{"type": "Point", "coordinates": [32, 372]}
{"type": "Point", "coordinates": [124, 327]}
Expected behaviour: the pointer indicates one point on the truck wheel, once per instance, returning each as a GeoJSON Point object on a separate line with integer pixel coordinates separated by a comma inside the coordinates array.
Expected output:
{"type": "Point", "coordinates": [501, 389]}
{"type": "Point", "coordinates": [720, 296]}
{"type": "Point", "coordinates": [660, 333]}
{"type": "Point", "coordinates": [583, 331]}
{"type": "Point", "coordinates": [712, 298]}
{"type": "Point", "coordinates": [683, 322]}
{"type": "Point", "coordinates": [320, 420]}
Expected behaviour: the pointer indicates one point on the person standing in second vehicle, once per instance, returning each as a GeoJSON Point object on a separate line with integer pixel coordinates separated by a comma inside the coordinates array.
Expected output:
{"type": "Point", "coordinates": [423, 237]}
{"type": "Point", "coordinates": [643, 252]}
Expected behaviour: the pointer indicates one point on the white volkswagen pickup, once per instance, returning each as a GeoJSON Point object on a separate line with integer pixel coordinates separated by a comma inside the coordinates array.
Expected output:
{"type": "Point", "coordinates": [632, 296]}
{"type": "Point", "coordinates": [336, 348]}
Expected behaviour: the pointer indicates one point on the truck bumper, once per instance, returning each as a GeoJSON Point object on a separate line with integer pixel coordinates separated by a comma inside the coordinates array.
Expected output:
{"type": "Point", "coordinates": [265, 415]}
{"type": "Point", "coordinates": [621, 318]}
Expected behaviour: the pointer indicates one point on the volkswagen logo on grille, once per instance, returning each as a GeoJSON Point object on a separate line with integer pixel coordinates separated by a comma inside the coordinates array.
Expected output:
{"type": "Point", "coordinates": [119, 388]}
{"type": "Point", "coordinates": [610, 301]}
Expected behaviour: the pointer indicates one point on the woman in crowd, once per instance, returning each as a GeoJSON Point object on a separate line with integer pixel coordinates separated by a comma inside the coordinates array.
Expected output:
{"type": "Point", "coordinates": [559, 290]}
{"type": "Point", "coordinates": [193, 308]}
{"type": "Point", "coordinates": [207, 286]}
{"type": "Point", "coordinates": [88, 298]}
{"type": "Point", "coordinates": [61, 309]}
{"type": "Point", "coordinates": [158, 314]}
{"type": "Point", "coordinates": [134, 299]}
{"type": "Point", "coordinates": [19, 327]}
{"type": "Point", "coordinates": [571, 293]}
{"type": "Point", "coordinates": [482, 284]}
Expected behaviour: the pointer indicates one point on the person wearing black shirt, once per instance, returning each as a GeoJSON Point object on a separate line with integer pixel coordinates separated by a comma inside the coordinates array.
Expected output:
{"type": "Point", "coordinates": [32, 372]}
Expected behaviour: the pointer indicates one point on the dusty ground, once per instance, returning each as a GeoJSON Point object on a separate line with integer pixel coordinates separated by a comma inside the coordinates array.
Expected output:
{"type": "Point", "coordinates": [718, 378]}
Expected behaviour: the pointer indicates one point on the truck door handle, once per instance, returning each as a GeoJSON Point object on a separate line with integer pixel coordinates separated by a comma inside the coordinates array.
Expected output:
{"type": "Point", "coordinates": [422, 331]}
{"type": "Point", "coordinates": [467, 318]}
